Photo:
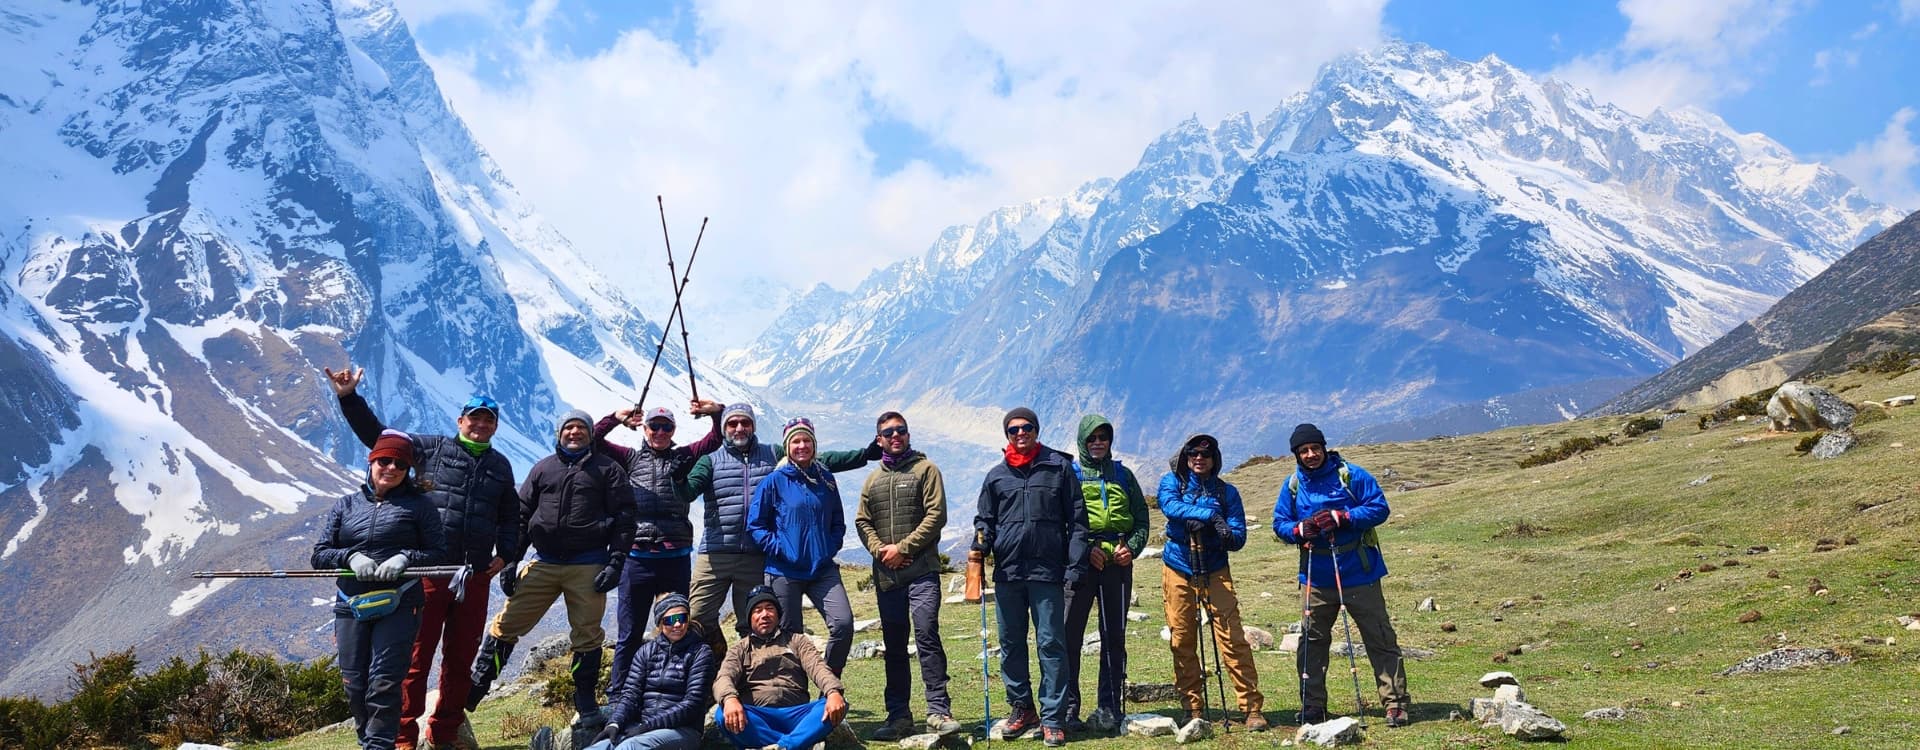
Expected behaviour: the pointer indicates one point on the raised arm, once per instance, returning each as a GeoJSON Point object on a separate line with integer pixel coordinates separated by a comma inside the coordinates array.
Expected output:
{"type": "Point", "coordinates": [346, 383]}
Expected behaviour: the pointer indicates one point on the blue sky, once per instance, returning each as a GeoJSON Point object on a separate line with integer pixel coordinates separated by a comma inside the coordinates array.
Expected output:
{"type": "Point", "coordinates": [847, 134]}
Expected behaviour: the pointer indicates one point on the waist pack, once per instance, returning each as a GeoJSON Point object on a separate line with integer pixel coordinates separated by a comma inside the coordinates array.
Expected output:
{"type": "Point", "coordinates": [376, 604]}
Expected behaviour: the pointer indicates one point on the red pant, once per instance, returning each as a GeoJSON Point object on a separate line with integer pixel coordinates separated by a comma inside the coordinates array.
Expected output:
{"type": "Point", "coordinates": [457, 625]}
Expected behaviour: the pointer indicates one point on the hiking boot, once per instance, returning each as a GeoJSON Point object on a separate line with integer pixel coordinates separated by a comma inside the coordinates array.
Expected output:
{"type": "Point", "coordinates": [1104, 720]}
{"type": "Point", "coordinates": [1194, 713]}
{"type": "Point", "coordinates": [1022, 721]}
{"type": "Point", "coordinates": [487, 666]}
{"type": "Point", "coordinates": [893, 731]}
{"type": "Point", "coordinates": [1256, 721]}
{"type": "Point", "coordinates": [1310, 716]}
{"type": "Point", "coordinates": [1397, 717]}
{"type": "Point", "coordinates": [1053, 736]}
{"type": "Point", "coordinates": [942, 724]}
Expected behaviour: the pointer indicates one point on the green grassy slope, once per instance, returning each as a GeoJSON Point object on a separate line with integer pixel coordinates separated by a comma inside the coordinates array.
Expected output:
{"type": "Point", "coordinates": [1591, 552]}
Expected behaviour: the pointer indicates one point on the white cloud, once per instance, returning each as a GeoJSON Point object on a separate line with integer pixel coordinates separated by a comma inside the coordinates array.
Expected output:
{"type": "Point", "coordinates": [1887, 166]}
{"type": "Point", "coordinates": [1679, 53]}
{"type": "Point", "coordinates": [762, 130]}
{"type": "Point", "coordinates": [1909, 11]}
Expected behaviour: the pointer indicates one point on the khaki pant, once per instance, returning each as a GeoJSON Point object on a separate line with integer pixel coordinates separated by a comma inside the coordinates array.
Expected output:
{"type": "Point", "coordinates": [540, 584]}
{"type": "Point", "coordinates": [1367, 607]}
{"type": "Point", "coordinates": [714, 575]}
{"type": "Point", "coordinates": [1183, 620]}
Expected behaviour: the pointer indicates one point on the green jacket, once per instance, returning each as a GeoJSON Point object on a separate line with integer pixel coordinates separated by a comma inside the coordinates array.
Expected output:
{"type": "Point", "coordinates": [905, 504]}
{"type": "Point", "coordinates": [1115, 504]}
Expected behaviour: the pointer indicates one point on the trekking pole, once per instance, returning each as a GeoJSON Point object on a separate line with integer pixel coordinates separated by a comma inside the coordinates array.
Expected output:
{"type": "Point", "coordinates": [1196, 550]}
{"type": "Point", "coordinates": [1346, 622]}
{"type": "Point", "coordinates": [432, 571]}
{"type": "Point", "coordinates": [678, 283]}
{"type": "Point", "coordinates": [672, 314]}
{"type": "Point", "coordinates": [1306, 623]}
{"type": "Point", "coordinates": [976, 588]}
{"type": "Point", "coordinates": [1213, 622]}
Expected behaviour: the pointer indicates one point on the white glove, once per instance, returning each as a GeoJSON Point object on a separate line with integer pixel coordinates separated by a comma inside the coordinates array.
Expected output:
{"type": "Point", "coordinates": [363, 566]}
{"type": "Point", "coordinates": [391, 568]}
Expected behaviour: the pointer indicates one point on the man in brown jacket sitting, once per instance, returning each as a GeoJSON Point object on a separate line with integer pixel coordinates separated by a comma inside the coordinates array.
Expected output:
{"type": "Point", "coordinates": [762, 685]}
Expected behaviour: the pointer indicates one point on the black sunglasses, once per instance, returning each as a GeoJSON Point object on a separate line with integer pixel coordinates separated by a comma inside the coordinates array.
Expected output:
{"type": "Point", "coordinates": [1015, 429]}
{"type": "Point", "coordinates": [1195, 452]}
{"type": "Point", "coordinates": [660, 426]}
{"type": "Point", "coordinates": [892, 431]}
{"type": "Point", "coordinates": [391, 461]}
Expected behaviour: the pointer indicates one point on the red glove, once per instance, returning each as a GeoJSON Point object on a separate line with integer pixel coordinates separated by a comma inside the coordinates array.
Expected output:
{"type": "Point", "coordinates": [1329, 520]}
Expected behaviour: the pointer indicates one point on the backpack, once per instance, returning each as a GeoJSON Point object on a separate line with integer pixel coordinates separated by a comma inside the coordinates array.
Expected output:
{"type": "Point", "coordinates": [1109, 514]}
{"type": "Point", "coordinates": [1370, 539]}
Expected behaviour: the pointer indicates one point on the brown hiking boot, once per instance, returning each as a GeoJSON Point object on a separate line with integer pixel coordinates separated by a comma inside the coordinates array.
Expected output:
{"type": "Point", "coordinates": [1023, 720]}
{"type": "Point", "coordinates": [1397, 717]}
{"type": "Point", "coordinates": [1256, 721]}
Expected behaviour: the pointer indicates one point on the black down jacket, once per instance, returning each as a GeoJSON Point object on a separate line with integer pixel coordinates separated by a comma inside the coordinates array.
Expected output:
{"type": "Point", "coordinates": [403, 523]}
{"type": "Point", "coordinates": [666, 686]}
{"type": "Point", "coordinates": [475, 494]}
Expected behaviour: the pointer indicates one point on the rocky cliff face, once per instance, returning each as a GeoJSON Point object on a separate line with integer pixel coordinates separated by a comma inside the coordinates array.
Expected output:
{"type": "Point", "coordinates": [207, 203]}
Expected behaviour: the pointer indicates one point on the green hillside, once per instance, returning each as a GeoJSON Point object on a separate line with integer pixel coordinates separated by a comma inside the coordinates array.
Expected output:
{"type": "Point", "coordinates": [1626, 579]}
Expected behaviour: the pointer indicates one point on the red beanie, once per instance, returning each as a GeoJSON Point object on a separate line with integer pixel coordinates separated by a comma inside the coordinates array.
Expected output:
{"type": "Point", "coordinates": [393, 444]}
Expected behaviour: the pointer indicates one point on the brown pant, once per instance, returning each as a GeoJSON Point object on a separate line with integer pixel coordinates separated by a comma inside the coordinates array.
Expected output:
{"type": "Point", "coordinates": [1368, 609]}
{"type": "Point", "coordinates": [1224, 612]}
{"type": "Point", "coordinates": [540, 584]}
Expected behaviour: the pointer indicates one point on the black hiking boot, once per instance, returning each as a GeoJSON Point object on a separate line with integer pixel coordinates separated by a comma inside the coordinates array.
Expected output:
{"type": "Point", "coordinates": [586, 689]}
{"type": "Point", "coordinates": [487, 667]}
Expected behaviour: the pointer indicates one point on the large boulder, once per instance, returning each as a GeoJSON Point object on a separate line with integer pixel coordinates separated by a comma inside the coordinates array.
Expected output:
{"type": "Point", "coordinates": [1801, 407]}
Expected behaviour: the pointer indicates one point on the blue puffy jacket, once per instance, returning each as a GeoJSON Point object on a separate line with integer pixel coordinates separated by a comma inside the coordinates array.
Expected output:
{"type": "Point", "coordinates": [1197, 499]}
{"type": "Point", "coordinates": [1321, 489]}
{"type": "Point", "coordinates": [796, 520]}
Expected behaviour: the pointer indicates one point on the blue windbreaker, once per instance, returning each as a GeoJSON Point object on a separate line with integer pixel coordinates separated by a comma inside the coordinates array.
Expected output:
{"type": "Point", "coordinates": [797, 521]}
{"type": "Point", "coordinates": [1198, 500]}
{"type": "Point", "coordinates": [1321, 490]}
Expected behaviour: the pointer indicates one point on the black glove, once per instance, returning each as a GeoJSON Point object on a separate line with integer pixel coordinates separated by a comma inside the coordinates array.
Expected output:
{"type": "Point", "coordinates": [982, 544]}
{"type": "Point", "coordinates": [873, 451]}
{"type": "Point", "coordinates": [509, 578]}
{"type": "Point", "coordinates": [645, 532]}
{"type": "Point", "coordinates": [608, 733]}
{"type": "Point", "coordinates": [609, 577]}
{"type": "Point", "coordinates": [1220, 527]}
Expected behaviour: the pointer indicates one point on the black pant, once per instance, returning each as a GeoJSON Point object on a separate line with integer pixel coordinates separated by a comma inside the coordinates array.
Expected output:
{"type": "Point", "coordinates": [373, 658]}
{"type": "Point", "coordinates": [915, 604]}
{"type": "Point", "coordinates": [642, 580]}
{"type": "Point", "coordinates": [1112, 587]}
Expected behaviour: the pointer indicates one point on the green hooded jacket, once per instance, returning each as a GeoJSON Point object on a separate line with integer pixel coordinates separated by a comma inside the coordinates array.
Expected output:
{"type": "Point", "coordinates": [1115, 504]}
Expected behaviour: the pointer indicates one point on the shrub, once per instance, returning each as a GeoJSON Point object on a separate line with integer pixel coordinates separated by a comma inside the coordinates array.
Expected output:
{"type": "Point", "coordinates": [1567, 448]}
{"type": "Point", "coordinates": [1806, 443]}
{"type": "Point", "coordinates": [25, 722]}
{"type": "Point", "coordinates": [1890, 363]}
{"type": "Point", "coordinates": [105, 705]}
{"type": "Point", "coordinates": [1869, 413]}
{"type": "Point", "coordinates": [1256, 461]}
{"type": "Point", "coordinates": [1643, 425]}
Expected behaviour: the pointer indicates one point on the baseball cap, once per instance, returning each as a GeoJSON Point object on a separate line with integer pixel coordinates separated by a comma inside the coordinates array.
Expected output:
{"type": "Point", "coordinates": [481, 403]}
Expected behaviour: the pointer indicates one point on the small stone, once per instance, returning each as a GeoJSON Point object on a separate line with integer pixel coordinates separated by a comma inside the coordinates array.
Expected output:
{"type": "Point", "coordinates": [1151, 553]}
{"type": "Point", "coordinates": [1758, 549]}
{"type": "Point", "coordinates": [1149, 725]}
{"type": "Point", "coordinates": [1448, 627]}
{"type": "Point", "coordinates": [1700, 481]}
{"type": "Point", "coordinates": [868, 650]}
{"type": "Point", "coordinates": [1257, 638]}
{"type": "Point", "coordinates": [1289, 643]}
{"type": "Point", "coordinates": [862, 626]}
{"type": "Point", "coordinates": [1610, 713]}
{"type": "Point", "coordinates": [1341, 731]}
{"type": "Point", "coordinates": [1508, 604]}
{"type": "Point", "coordinates": [1266, 595]}
{"type": "Point", "coordinates": [1671, 610]}
{"type": "Point", "coordinates": [1416, 652]}
{"type": "Point", "coordinates": [1193, 731]}
{"type": "Point", "coordinates": [1454, 715]}
{"type": "Point", "coordinates": [1499, 658]}
{"type": "Point", "coordinates": [1842, 729]}
{"type": "Point", "coordinates": [1166, 633]}
{"type": "Point", "coordinates": [1510, 694]}
{"type": "Point", "coordinates": [920, 742]}
{"type": "Point", "coordinates": [1751, 615]}
{"type": "Point", "coordinates": [1426, 605]}
{"type": "Point", "coordinates": [1913, 625]}
{"type": "Point", "coordinates": [1771, 573]}
{"type": "Point", "coordinates": [1616, 653]}
{"type": "Point", "coordinates": [1821, 592]}
{"type": "Point", "coordinates": [1496, 679]}
{"type": "Point", "coordinates": [1136, 616]}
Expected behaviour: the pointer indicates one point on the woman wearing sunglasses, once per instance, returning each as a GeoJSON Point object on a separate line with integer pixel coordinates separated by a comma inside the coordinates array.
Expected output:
{"type": "Point", "coordinates": [1205, 521]}
{"type": "Point", "coordinates": [663, 696]}
{"type": "Point", "coordinates": [376, 533]}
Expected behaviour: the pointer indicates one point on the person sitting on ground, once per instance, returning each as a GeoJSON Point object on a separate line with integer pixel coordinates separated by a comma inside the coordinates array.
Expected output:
{"type": "Point", "coordinates": [762, 685]}
{"type": "Point", "coordinates": [664, 694]}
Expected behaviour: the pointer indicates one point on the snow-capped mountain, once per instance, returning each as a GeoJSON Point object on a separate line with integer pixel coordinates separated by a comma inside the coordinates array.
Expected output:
{"type": "Point", "coordinates": [1411, 233]}
{"type": "Point", "coordinates": [206, 204]}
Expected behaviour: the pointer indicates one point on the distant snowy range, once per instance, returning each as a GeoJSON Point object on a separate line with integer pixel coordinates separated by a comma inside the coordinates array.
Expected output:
{"type": "Point", "coordinates": [206, 203]}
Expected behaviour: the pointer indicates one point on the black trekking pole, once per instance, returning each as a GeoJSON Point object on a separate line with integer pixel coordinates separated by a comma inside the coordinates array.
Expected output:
{"type": "Point", "coordinates": [679, 283]}
{"type": "Point", "coordinates": [678, 288]}
{"type": "Point", "coordinates": [1195, 551]}
{"type": "Point", "coordinates": [1213, 626]}
{"type": "Point", "coordinates": [1346, 621]}
{"type": "Point", "coordinates": [1306, 624]}
{"type": "Point", "coordinates": [431, 571]}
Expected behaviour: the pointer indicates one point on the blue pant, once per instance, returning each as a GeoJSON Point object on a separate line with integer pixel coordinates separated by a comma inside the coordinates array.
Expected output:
{"type": "Point", "coordinates": [1014, 602]}
{"type": "Point", "coordinates": [791, 727]}
{"type": "Point", "coordinates": [677, 738]}
{"type": "Point", "coordinates": [373, 658]}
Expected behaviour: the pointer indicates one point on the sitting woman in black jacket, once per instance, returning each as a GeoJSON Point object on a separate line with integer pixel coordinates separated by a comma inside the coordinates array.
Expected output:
{"type": "Point", "coordinates": [377, 533]}
{"type": "Point", "coordinates": [663, 700]}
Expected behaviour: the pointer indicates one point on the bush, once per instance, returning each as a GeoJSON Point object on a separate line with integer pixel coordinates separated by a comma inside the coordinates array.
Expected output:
{"type": "Point", "coordinates": [1643, 425]}
{"type": "Point", "coordinates": [1567, 448]}
{"type": "Point", "coordinates": [1889, 363]}
{"type": "Point", "coordinates": [1259, 460]}
{"type": "Point", "coordinates": [1806, 443]}
{"type": "Point", "coordinates": [105, 705]}
{"type": "Point", "coordinates": [25, 722]}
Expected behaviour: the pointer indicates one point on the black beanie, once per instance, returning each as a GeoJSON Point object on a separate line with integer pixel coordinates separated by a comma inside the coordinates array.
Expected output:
{"type": "Point", "coordinates": [1304, 434]}
{"type": "Point", "coordinates": [764, 593]}
{"type": "Point", "coordinates": [1020, 412]}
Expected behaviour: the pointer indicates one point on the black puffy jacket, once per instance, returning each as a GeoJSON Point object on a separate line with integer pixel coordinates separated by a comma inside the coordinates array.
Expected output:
{"type": "Point", "coordinates": [402, 523]}
{"type": "Point", "coordinates": [475, 494]}
{"type": "Point", "coordinates": [658, 481]}
{"type": "Point", "coordinates": [1033, 519]}
{"type": "Point", "coordinates": [666, 687]}
{"type": "Point", "coordinates": [574, 507]}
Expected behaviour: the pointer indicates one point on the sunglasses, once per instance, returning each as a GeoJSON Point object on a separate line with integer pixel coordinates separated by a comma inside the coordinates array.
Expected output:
{"type": "Point", "coordinates": [1100, 437]}
{"type": "Point", "coordinates": [674, 620]}
{"type": "Point", "coordinates": [1199, 453]}
{"type": "Point", "coordinates": [480, 403]}
{"type": "Point", "coordinates": [389, 461]}
{"type": "Point", "coordinates": [1015, 429]}
{"type": "Point", "coordinates": [892, 431]}
{"type": "Point", "coordinates": [660, 427]}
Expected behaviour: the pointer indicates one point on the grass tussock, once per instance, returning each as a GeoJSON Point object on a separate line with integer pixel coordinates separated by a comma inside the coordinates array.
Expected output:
{"type": "Point", "coordinates": [1567, 448]}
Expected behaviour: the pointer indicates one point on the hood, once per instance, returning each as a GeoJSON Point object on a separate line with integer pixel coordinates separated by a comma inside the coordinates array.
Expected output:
{"type": "Point", "coordinates": [1088, 424]}
{"type": "Point", "coordinates": [1178, 463]}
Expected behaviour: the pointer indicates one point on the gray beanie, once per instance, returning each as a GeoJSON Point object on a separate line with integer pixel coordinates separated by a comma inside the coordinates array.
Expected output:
{"type": "Point", "coordinates": [667, 603]}
{"type": "Point", "coordinates": [1020, 412]}
{"type": "Point", "coordinates": [585, 418]}
{"type": "Point", "coordinates": [741, 409]}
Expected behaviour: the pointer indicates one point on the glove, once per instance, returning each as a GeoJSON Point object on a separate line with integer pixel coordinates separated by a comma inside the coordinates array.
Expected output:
{"type": "Point", "coordinates": [1306, 530]}
{"type": "Point", "coordinates": [609, 577]}
{"type": "Point", "coordinates": [391, 568]}
{"type": "Point", "coordinates": [362, 565]}
{"type": "Point", "coordinates": [647, 533]}
{"type": "Point", "coordinates": [509, 579]}
{"type": "Point", "coordinates": [981, 544]}
{"type": "Point", "coordinates": [1073, 578]}
{"type": "Point", "coordinates": [1220, 527]}
{"type": "Point", "coordinates": [607, 733]}
{"type": "Point", "coordinates": [1196, 527]}
{"type": "Point", "coordinates": [873, 452]}
{"type": "Point", "coordinates": [1329, 520]}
